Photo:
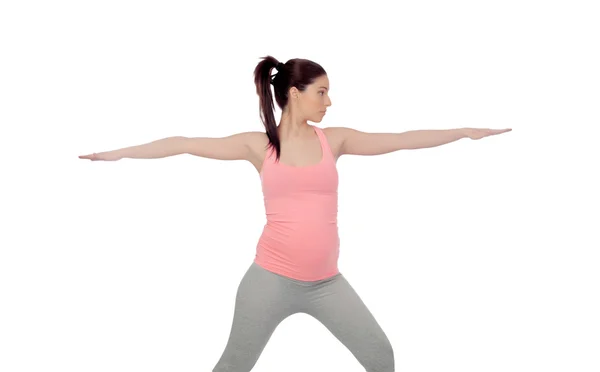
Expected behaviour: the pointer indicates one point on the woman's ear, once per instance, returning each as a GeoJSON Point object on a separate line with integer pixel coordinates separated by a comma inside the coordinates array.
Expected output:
{"type": "Point", "coordinates": [294, 92]}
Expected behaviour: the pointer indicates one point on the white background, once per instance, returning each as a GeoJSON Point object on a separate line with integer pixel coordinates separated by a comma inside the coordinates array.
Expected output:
{"type": "Point", "coordinates": [473, 256]}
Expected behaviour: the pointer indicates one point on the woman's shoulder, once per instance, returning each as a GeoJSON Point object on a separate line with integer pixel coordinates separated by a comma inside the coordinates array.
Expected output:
{"type": "Point", "coordinates": [335, 138]}
{"type": "Point", "coordinates": [257, 142]}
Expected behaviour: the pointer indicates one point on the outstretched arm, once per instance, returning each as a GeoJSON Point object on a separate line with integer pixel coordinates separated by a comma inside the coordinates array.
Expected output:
{"type": "Point", "coordinates": [234, 147]}
{"type": "Point", "coordinates": [356, 142]}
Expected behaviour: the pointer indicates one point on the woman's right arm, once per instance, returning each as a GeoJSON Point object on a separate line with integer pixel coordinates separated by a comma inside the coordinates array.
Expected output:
{"type": "Point", "coordinates": [235, 147]}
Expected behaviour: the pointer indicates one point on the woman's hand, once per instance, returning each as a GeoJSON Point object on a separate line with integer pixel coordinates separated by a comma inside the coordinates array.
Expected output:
{"type": "Point", "coordinates": [105, 156]}
{"type": "Point", "coordinates": [478, 133]}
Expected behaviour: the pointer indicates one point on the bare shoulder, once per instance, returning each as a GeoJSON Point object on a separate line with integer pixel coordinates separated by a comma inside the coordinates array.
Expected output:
{"type": "Point", "coordinates": [335, 138]}
{"type": "Point", "coordinates": [257, 142]}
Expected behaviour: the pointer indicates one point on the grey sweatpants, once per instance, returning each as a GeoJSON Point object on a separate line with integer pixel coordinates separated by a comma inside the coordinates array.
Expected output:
{"type": "Point", "coordinates": [264, 299]}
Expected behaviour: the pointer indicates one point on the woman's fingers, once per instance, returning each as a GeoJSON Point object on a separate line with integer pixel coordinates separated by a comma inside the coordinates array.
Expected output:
{"type": "Point", "coordinates": [90, 157]}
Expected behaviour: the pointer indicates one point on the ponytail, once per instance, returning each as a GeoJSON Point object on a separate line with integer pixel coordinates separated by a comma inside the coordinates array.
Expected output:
{"type": "Point", "coordinates": [262, 79]}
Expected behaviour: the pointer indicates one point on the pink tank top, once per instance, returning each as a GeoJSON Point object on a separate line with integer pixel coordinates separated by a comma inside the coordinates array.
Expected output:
{"type": "Point", "coordinates": [300, 239]}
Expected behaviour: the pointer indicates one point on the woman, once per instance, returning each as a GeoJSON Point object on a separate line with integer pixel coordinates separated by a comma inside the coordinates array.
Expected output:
{"type": "Point", "coordinates": [295, 268]}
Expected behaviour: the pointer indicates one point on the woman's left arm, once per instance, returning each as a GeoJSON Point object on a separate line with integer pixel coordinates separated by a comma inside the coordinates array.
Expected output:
{"type": "Point", "coordinates": [355, 142]}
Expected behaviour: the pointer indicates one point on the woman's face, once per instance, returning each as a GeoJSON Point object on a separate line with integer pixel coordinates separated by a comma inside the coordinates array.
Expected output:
{"type": "Point", "coordinates": [315, 99]}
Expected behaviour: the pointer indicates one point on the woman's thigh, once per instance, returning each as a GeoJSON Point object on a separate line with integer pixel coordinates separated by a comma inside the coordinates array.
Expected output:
{"type": "Point", "coordinates": [338, 307]}
{"type": "Point", "coordinates": [263, 301]}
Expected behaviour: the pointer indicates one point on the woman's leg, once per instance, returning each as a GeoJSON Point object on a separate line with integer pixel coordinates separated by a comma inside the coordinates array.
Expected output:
{"type": "Point", "coordinates": [263, 300]}
{"type": "Point", "coordinates": [338, 307]}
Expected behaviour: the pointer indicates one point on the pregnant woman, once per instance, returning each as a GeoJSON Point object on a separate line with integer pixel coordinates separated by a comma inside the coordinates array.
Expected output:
{"type": "Point", "coordinates": [295, 268]}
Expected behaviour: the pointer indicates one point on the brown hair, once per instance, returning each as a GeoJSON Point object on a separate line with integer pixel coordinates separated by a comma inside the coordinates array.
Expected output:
{"type": "Point", "coordinates": [296, 72]}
